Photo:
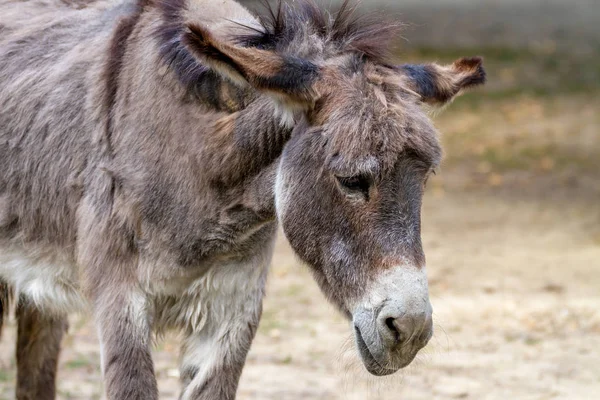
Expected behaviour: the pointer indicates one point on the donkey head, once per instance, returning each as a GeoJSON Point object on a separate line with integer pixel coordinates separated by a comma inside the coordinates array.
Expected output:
{"type": "Point", "coordinates": [352, 175]}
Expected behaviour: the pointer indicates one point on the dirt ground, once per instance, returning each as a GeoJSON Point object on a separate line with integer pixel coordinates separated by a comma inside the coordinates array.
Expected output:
{"type": "Point", "coordinates": [511, 229]}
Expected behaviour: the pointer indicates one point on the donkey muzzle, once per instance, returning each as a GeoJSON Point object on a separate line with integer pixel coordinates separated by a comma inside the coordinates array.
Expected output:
{"type": "Point", "coordinates": [395, 322]}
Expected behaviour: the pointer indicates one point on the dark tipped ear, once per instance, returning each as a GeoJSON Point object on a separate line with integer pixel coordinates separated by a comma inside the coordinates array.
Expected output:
{"type": "Point", "coordinates": [439, 84]}
{"type": "Point", "coordinates": [288, 77]}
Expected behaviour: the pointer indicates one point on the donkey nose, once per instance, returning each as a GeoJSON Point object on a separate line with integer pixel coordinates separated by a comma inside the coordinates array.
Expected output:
{"type": "Point", "coordinates": [403, 328]}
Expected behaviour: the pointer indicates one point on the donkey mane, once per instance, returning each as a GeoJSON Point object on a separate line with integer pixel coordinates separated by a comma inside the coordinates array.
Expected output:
{"type": "Point", "coordinates": [284, 27]}
{"type": "Point", "coordinates": [172, 50]}
{"type": "Point", "coordinates": [114, 64]}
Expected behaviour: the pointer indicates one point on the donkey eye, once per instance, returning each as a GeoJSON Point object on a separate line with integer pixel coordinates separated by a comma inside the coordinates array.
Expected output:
{"type": "Point", "coordinates": [355, 185]}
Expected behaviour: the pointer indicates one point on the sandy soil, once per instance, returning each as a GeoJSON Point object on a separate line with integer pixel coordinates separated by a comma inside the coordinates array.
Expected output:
{"type": "Point", "coordinates": [514, 265]}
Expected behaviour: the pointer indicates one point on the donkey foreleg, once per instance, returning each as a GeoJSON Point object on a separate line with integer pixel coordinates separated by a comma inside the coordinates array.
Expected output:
{"type": "Point", "coordinates": [38, 348]}
{"type": "Point", "coordinates": [211, 367]}
{"type": "Point", "coordinates": [212, 359]}
{"type": "Point", "coordinates": [123, 325]}
{"type": "Point", "coordinates": [122, 310]}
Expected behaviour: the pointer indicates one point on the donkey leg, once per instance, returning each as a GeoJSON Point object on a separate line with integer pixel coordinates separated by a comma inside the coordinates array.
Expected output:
{"type": "Point", "coordinates": [213, 358]}
{"type": "Point", "coordinates": [38, 348]}
{"type": "Point", "coordinates": [212, 363]}
{"type": "Point", "coordinates": [123, 325]}
{"type": "Point", "coordinates": [5, 294]}
{"type": "Point", "coordinates": [122, 311]}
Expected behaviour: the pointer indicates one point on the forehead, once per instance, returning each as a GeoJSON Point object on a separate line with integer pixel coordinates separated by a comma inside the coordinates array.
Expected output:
{"type": "Point", "coordinates": [370, 120]}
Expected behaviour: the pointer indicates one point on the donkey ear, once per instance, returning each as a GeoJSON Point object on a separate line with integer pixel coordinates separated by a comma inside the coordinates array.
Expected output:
{"type": "Point", "coordinates": [439, 84]}
{"type": "Point", "coordinates": [287, 77]}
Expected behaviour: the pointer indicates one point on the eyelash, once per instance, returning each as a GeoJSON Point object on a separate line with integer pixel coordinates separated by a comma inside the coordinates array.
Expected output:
{"type": "Point", "coordinates": [431, 172]}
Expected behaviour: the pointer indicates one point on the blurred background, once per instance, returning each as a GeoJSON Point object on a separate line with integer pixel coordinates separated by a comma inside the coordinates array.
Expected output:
{"type": "Point", "coordinates": [511, 229]}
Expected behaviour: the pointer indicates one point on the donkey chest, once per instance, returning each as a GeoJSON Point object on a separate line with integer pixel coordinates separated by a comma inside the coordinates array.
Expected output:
{"type": "Point", "coordinates": [213, 291]}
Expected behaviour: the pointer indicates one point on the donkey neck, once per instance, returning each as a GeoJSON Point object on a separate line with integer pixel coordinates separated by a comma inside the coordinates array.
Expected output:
{"type": "Point", "coordinates": [243, 143]}
{"type": "Point", "coordinates": [201, 163]}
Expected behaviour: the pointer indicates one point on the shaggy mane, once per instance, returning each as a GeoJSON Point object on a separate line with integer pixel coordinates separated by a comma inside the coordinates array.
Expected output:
{"type": "Point", "coordinates": [286, 27]}
{"type": "Point", "coordinates": [289, 23]}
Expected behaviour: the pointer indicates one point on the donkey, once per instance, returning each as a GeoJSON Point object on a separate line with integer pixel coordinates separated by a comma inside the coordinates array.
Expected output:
{"type": "Point", "coordinates": [149, 149]}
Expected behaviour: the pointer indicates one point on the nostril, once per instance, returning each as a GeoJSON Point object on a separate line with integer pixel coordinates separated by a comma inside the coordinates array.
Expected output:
{"type": "Point", "coordinates": [407, 329]}
{"type": "Point", "coordinates": [390, 324]}
{"type": "Point", "coordinates": [395, 327]}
